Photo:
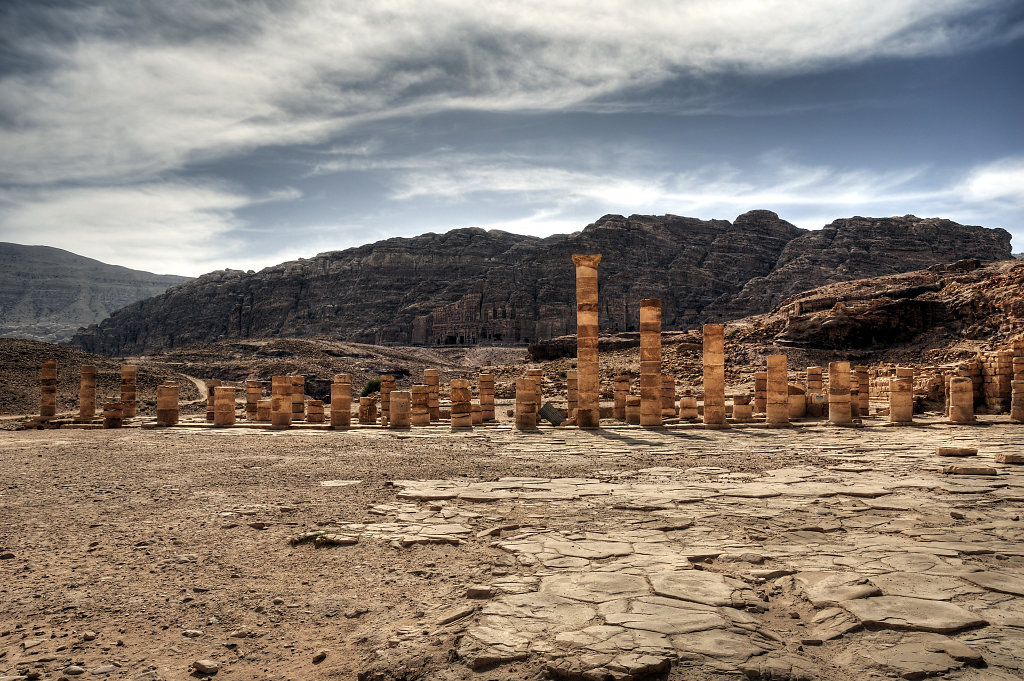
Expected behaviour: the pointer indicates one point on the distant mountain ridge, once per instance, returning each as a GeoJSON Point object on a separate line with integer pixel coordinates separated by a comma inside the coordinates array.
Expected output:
{"type": "Point", "coordinates": [48, 293]}
{"type": "Point", "coordinates": [471, 285]}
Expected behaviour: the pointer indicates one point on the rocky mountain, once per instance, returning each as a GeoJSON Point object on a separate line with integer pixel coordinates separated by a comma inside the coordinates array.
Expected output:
{"type": "Point", "coordinates": [47, 293]}
{"type": "Point", "coordinates": [473, 286]}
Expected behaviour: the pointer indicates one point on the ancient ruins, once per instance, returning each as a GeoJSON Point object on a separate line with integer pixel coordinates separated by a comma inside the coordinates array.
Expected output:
{"type": "Point", "coordinates": [882, 541]}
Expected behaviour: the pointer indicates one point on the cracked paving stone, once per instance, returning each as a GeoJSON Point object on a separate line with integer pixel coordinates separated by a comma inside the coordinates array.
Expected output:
{"type": "Point", "coordinates": [901, 612]}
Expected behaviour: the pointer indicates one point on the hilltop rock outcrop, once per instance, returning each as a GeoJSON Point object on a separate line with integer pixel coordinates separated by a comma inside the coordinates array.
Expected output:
{"type": "Point", "coordinates": [472, 285]}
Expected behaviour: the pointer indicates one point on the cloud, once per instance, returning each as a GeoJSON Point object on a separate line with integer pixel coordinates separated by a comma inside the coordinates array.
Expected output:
{"type": "Point", "coordinates": [112, 93]}
{"type": "Point", "coordinates": [1001, 180]}
{"type": "Point", "coordinates": [163, 227]}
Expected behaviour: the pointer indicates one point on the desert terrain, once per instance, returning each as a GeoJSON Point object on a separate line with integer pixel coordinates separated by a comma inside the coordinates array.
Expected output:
{"type": "Point", "coordinates": [805, 552]}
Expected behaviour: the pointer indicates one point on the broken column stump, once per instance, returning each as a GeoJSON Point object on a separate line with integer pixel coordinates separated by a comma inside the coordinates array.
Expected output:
{"type": "Point", "coordinates": [588, 413]}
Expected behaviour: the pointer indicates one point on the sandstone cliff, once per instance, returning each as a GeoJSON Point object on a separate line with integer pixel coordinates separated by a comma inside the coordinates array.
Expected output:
{"type": "Point", "coordinates": [471, 285]}
{"type": "Point", "coordinates": [48, 293]}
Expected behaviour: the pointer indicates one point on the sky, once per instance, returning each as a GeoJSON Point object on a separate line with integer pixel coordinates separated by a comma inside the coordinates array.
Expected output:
{"type": "Point", "coordinates": [182, 137]}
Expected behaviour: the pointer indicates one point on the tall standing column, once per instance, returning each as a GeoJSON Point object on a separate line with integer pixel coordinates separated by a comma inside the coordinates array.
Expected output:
{"type": "Point", "coordinates": [167, 404]}
{"type": "Point", "coordinates": [224, 406]}
{"type": "Point", "coordinates": [486, 397]}
{"type": "Point", "coordinates": [537, 376]}
{"type": "Point", "coordinates": [864, 386]}
{"type": "Point", "coordinates": [341, 402]}
{"type": "Point", "coordinates": [668, 396]}
{"type": "Point", "coordinates": [572, 390]}
{"type": "Point", "coordinates": [87, 394]}
{"type": "Point", "coordinates": [462, 409]}
{"type": "Point", "coordinates": [777, 393]}
{"type": "Point", "coordinates": [760, 391]}
{"type": "Point", "coordinates": [650, 362]}
{"type": "Point", "coordinates": [961, 400]}
{"type": "Point", "coordinates": [400, 415]}
{"type": "Point", "coordinates": [714, 375]}
{"type": "Point", "coordinates": [253, 393]}
{"type": "Point", "coordinates": [526, 404]}
{"type": "Point", "coordinates": [48, 389]}
{"type": "Point", "coordinates": [281, 401]}
{"type": "Point", "coordinates": [620, 386]}
{"type": "Point", "coordinates": [839, 393]}
{"type": "Point", "coordinates": [128, 390]}
{"type": "Point", "coordinates": [298, 398]}
{"type": "Point", "coordinates": [901, 396]}
{"type": "Point", "coordinates": [1017, 391]}
{"type": "Point", "coordinates": [420, 410]}
{"type": "Point", "coordinates": [387, 385]}
{"type": "Point", "coordinates": [432, 379]}
{"type": "Point", "coordinates": [588, 415]}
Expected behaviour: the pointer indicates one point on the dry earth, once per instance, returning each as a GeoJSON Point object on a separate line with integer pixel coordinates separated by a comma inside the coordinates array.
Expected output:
{"type": "Point", "coordinates": [801, 553]}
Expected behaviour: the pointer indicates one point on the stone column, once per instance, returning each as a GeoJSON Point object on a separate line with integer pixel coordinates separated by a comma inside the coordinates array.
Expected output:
{"type": "Point", "coordinates": [777, 391]}
{"type": "Point", "coordinates": [387, 384]}
{"type": "Point", "coordinates": [588, 414]}
{"type": "Point", "coordinates": [839, 393]}
{"type": "Point", "coordinates": [315, 411]}
{"type": "Point", "coordinates": [224, 406]}
{"type": "Point", "coordinates": [864, 388]}
{"type": "Point", "coordinates": [650, 362]}
{"type": "Point", "coordinates": [461, 398]}
{"type": "Point", "coordinates": [367, 410]}
{"type": "Point", "coordinates": [281, 401]}
{"type": "Point", "coordinates": [341, 402]}
{"type": "Point", "coordinates": [167, 404]}
{"type": "Point", "coordinates": [298, 398]}
{"type": "Point", "coordinates": [668, 396]}
{"type": "Point", "coordinates": [128, 394]}
{"type": "Point", "coordinates": [263, 410]}
{"type": "Point", "coordinates": [1017, 391]}
{"type": "Point", "coordinates": [537, 376]}
{"type": "Point", "coordinates": [961, 400]}
{"type": "Point", "coordinates": [572, 393]}
{"type": "Point", "coordinates": [688, 407]}
{"type": "Point", "coordinates": [526, 404]}
{"type": "Point", "coordinates": [814, 391]}
{"type": "Point", "coordinates": [633, 410]}
{"type": "Point", "coordinates": [620, 388]}
{"type": "Point", "coordinates": [48, 389]}
{"type": "Point", "coordinates": [432, 379]}
{"type": "Point", "coordinates": [401, 415]}
{"type": "Point", "coordinates": [210, 385]}
{"type": "Point", "coordinates": [420, 409]}
{"type": "Point", "coordinates": [742, 410]}
{"type": "Point", "coordinates": [760, 391]}
{"type": "Point", "coordinates": [714, 375]}
{"type": "Point", "coordinates": [486, 397]}
{"type": "Point", "coordinates": [901, 396]}
{"type": "Point", "coordinates": [476, 413]}
{"type": "Point", "coordinates": [253, 393]}
{"type": "Point", "coordinates": [112, 415]}
{"type": "Point", "coordinates": [87, 394]}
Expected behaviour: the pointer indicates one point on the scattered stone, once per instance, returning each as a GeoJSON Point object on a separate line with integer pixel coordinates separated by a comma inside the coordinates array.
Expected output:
{"type": "Point", "coordinates": [88, 635]}
{"type": "Point", "coordinates": [103, 669]}
{"type": "Point", "coordinates": [781, 667]}
{"type": "Point", "coordinates": [191, 633]}
{"type": "Point", "coordinates": [6, 555]}
{"type": "Point", "coordinates": [1010, 457]}
{"type": "Point", "coordinates": [960, 469]}
{"type": "Point", "coordinates": [956, 451]}
{"type": "Point", "coordinates": [456, 613]}
{"type": "Point", "coordinates": [205, 666]}
{"type": "Point", "coordinates": [319, 656]}
{"type": "Point", "coordinates": [479, 591]}
{"type": "Point", "coordinates": [74, 670]}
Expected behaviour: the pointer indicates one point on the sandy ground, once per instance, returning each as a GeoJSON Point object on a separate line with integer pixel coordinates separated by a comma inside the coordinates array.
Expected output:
{"type": "Point", "coordinates": [135, 553]}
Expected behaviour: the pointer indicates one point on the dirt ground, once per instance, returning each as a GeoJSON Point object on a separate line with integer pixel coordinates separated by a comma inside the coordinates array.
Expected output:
{"type": "Point", "coordinates": [496, 555]}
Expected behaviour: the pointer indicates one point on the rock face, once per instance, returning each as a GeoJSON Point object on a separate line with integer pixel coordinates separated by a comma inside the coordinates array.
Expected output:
{"type": "Point", "coordinates": [471, 285]}
{"type": "Point", "coordinates": [48, 293]}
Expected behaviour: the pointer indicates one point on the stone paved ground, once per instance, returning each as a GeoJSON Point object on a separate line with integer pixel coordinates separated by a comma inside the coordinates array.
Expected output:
{"type": "Point", "coordinates": [801, 553]}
